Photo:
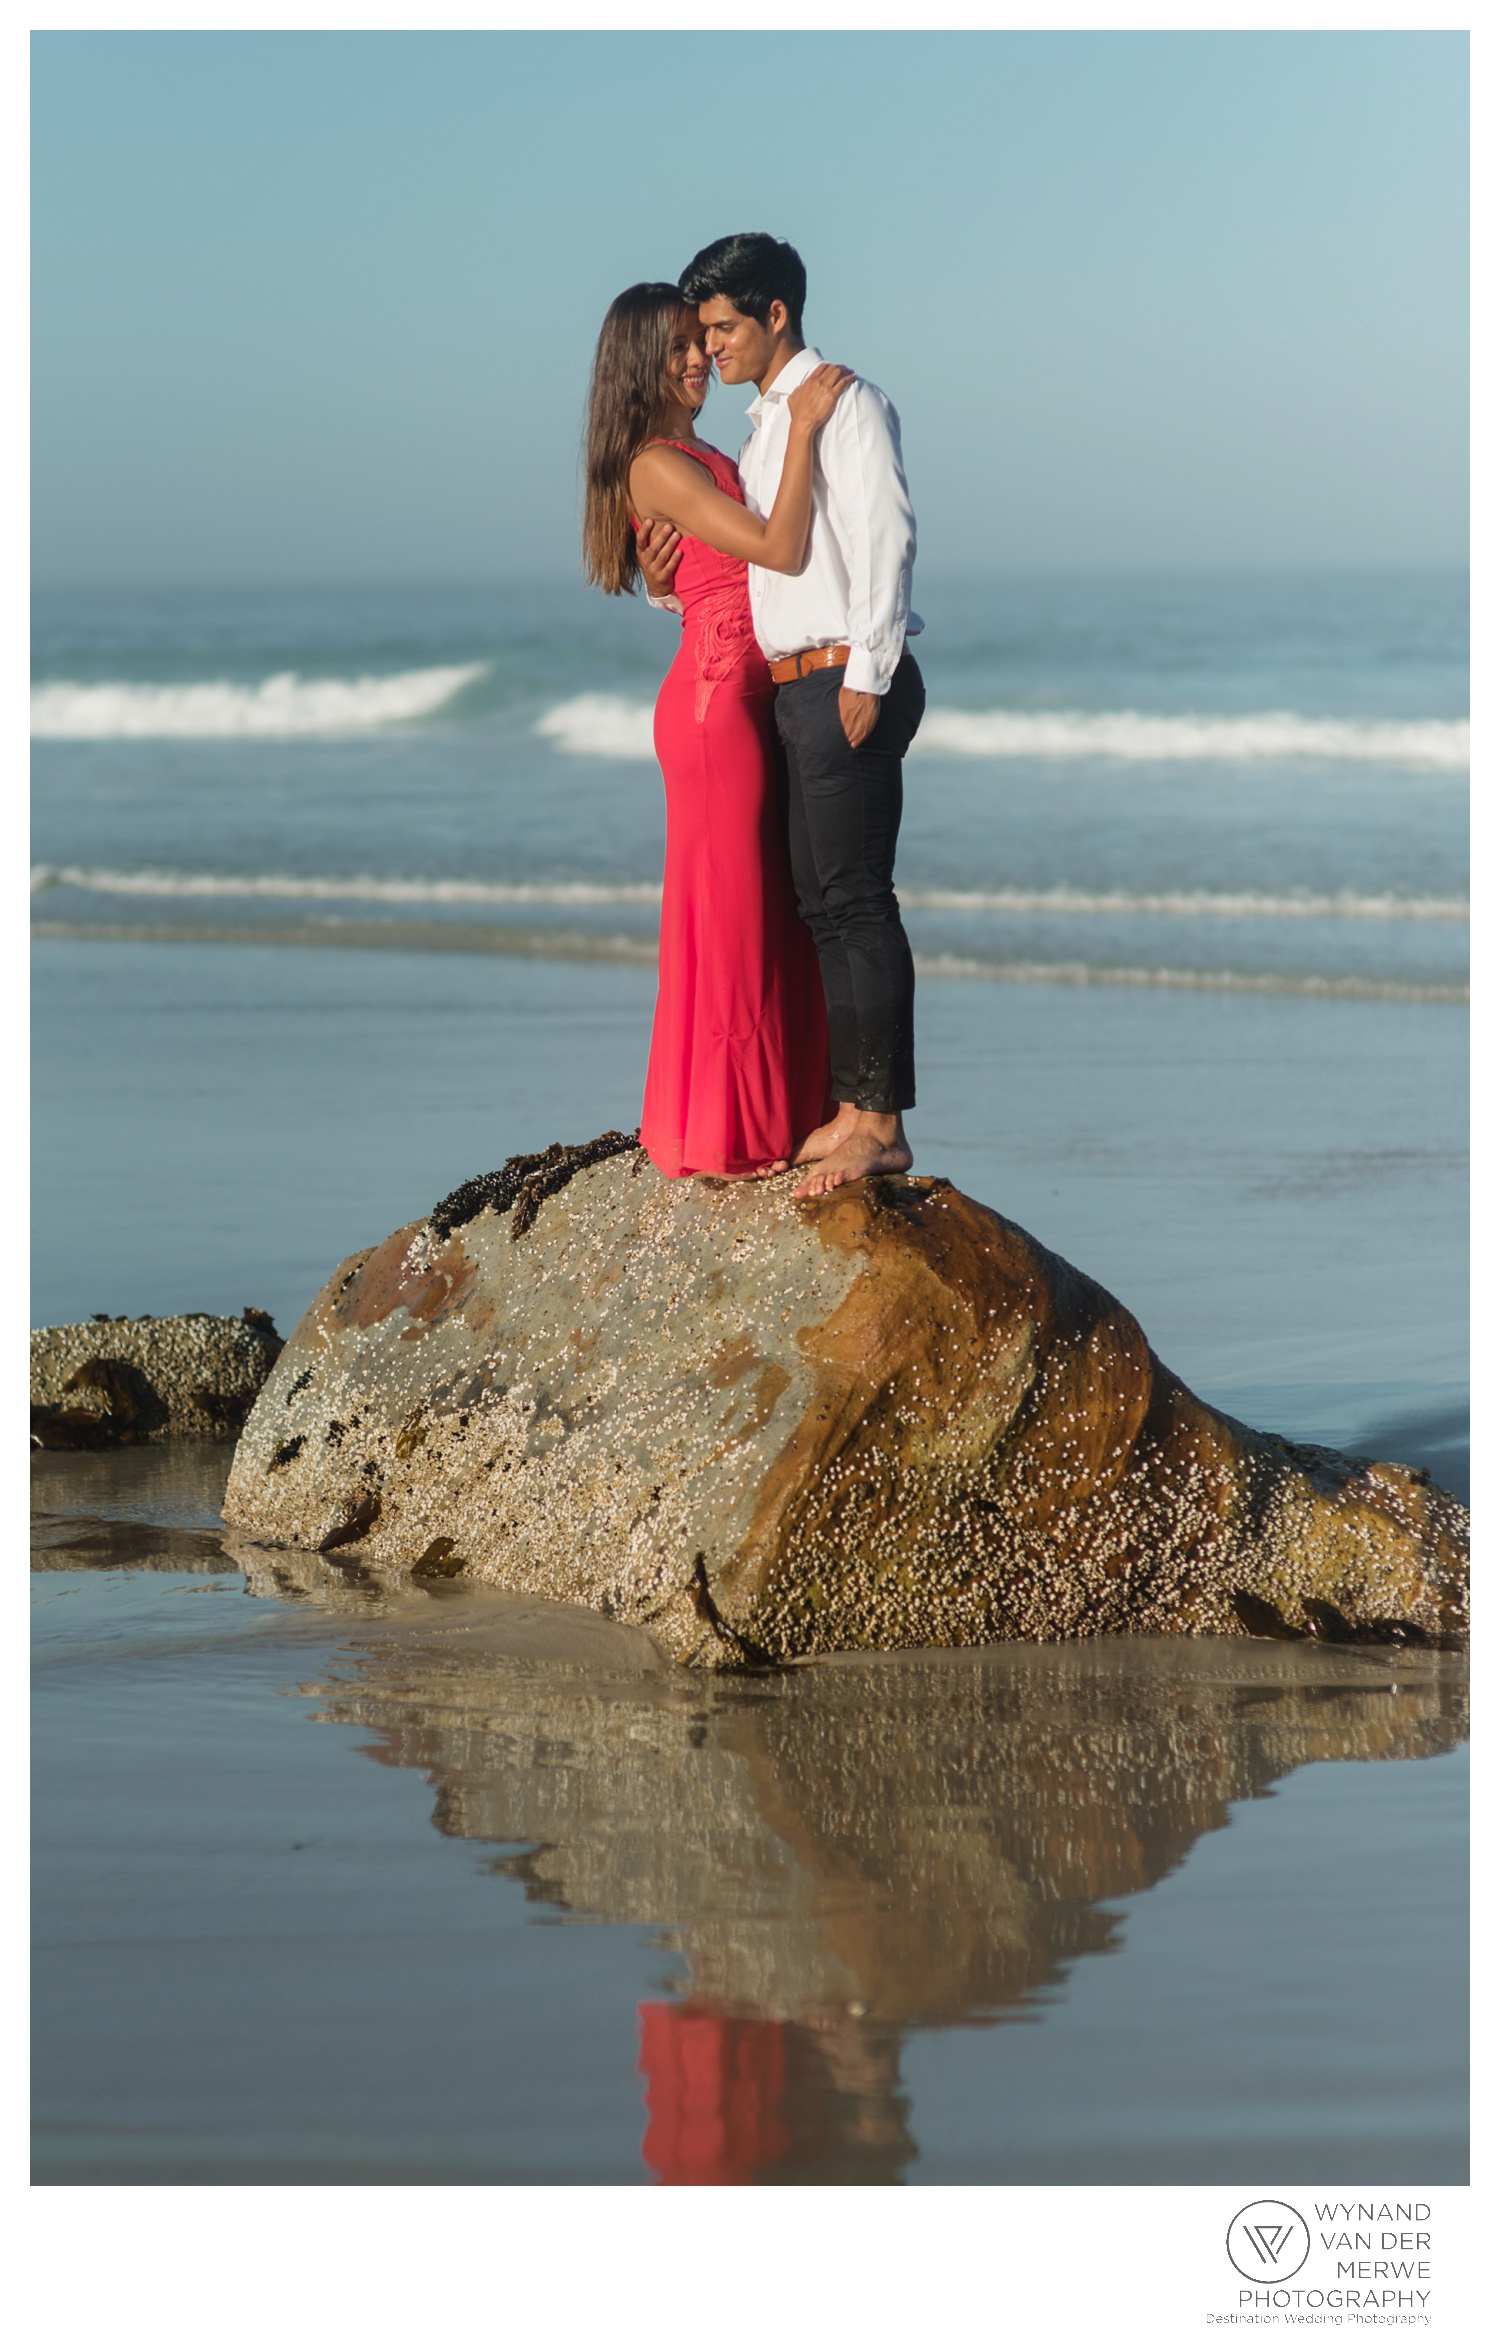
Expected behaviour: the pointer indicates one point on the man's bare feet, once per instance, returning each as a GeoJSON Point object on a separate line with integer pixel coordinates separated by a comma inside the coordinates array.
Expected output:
{"type": "Point", "coordinates": [828, 1137]}
{"type": "Point", "coordinates": [875, 1146]}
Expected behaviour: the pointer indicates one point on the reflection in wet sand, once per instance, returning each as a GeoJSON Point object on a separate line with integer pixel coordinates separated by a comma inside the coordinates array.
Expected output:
{"type": "Point", "coordinates": [844, 1851]}
{"type": "Point", "coordinates": [731, 2099]}
{"type": "Point", "coordinates": [840, 1853]}
{"type": "Point", "coordinates": [151, 1507]}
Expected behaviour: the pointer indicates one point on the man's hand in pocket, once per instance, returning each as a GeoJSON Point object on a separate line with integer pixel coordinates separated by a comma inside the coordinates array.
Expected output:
{"type": "Point", "coordinates": [858, 711]}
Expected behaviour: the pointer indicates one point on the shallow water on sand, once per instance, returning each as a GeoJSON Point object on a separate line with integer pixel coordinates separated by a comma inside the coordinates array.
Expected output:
{"type": "Point", "coordinates": [1123, 1911]}
{"type": "Point", "coordinates": [1138, 1911]}
{"type": "Point", "coordinates": [1275, 1186]}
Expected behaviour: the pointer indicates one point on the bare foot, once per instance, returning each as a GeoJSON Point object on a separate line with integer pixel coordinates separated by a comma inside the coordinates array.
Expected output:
{"type": "Point", "coordinates": [741, 1175]}
{"type": "Point", "coordinates": [828, 1137]}
{"type": "Point", "coordinates": [876, 1146]}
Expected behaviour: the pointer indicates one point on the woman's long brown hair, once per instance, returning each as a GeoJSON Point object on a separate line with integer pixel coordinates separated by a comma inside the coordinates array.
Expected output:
{"type": "Point", "coordinates": [627, 401]}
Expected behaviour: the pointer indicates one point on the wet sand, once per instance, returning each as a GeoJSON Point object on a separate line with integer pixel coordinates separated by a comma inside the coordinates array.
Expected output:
{"type": "Point", "coordinates": [1132, 1910]}
{"type": "Point", "coordinates": [334, 1889]}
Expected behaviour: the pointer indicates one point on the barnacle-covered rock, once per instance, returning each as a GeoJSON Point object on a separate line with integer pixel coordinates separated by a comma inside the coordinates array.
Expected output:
{"type": "Point", "coordinates": [95, 1385]}
{"type": "Point", "coordinates": [767, 1428]}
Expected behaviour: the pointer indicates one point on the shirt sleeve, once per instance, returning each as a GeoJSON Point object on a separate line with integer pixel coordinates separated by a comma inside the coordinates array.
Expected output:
{"type": "Point", "coordinates": [867, 493]}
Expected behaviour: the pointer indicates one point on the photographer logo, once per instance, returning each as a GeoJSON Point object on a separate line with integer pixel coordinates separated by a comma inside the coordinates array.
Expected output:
{"type": "Point", "coordinates": [1268, 2240]}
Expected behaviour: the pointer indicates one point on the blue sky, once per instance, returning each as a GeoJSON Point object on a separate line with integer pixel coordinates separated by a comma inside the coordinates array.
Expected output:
{"type": "Point", "coordinates": [322, 305]}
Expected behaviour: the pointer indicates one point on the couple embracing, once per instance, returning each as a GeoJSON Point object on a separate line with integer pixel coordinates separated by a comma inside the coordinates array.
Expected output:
{"type": "Point", "coordinates": [783, 1031]}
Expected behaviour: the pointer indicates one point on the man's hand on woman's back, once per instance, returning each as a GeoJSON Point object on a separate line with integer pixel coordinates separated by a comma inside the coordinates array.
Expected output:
{"type": "Point", "coordinates": [659, 548]}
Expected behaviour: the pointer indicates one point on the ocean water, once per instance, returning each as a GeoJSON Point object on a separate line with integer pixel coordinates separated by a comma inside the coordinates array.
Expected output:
{"type": "Point", "coordinates": [341, 897]}
{"type": "Point", "coordinates": [1207, 781]}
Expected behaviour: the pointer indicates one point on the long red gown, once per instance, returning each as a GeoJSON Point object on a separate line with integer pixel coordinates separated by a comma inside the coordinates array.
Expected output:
{"type": "Point", "coordinates": [739, 1047]}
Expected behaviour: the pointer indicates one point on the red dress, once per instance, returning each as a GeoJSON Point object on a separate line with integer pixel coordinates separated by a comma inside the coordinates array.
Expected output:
{"type": "Point", "coordinates": [739, 1048]}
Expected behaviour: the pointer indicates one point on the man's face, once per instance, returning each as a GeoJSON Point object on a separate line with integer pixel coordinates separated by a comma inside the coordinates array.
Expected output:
{"type": "Point", "coordinates": [740, 347]}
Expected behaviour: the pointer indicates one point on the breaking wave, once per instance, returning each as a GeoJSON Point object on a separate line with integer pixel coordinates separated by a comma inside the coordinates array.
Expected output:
{"type": "Point", "coordinates": [597, 724]}
{"type": "Point", "coordinates": [620, 728]}
{"type": "Point", "coordinates": [1132, 737]}
{"type": "Point", "coordinates": [1060, 900]}
{"type": "Point", "coordinates": [285, 706]}
{"type": "Point", "coordinates": [167, 884]}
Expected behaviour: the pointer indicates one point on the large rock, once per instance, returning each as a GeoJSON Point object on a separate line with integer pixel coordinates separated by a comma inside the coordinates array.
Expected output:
{"type": "Point", "coordinates": [148, 1381]}
{"type": "Point", "coordinates": [767, 1428]}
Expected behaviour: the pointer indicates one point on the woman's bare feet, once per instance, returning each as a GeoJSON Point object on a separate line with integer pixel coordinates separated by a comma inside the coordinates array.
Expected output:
{"type": "Point", "coordinates": [875, 1145]}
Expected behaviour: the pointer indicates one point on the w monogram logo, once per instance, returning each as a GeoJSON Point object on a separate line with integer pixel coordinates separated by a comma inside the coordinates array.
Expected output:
{"type": "Point", "coordinates": [1268, 2240]}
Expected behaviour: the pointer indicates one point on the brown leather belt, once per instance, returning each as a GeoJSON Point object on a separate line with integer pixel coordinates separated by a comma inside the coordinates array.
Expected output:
{"type": "Point", "coordinates": [809, 661]}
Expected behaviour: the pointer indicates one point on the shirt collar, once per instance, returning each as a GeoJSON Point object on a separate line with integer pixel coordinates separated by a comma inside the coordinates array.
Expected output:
{"type": "Point", "coordinates": [792, 374]}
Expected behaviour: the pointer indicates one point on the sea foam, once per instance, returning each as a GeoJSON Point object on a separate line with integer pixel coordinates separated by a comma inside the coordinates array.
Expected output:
{"type": "Point", "coordinates": [1056, 901]}
{"type": "Point", "coordinates": [619, 727]}
{"type": "Point", "coordinates": [285, 706]}
{"type": "Point", "coordinates": [1135, 737]}
{"type": "Point", "coordinates": [172, 884]}
{"type": "Point", "coordinates": [598, 724]}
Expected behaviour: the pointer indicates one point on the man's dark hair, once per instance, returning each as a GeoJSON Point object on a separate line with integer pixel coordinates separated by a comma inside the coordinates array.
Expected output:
{"type": "Point", "coordinates": [751, 271]}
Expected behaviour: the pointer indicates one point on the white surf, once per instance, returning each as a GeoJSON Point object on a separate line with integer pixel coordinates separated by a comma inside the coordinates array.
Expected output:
{"type": "Point", "coordinates": [287, 705]}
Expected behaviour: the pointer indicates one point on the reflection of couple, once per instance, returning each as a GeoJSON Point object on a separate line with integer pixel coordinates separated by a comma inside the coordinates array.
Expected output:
{"type": "Point", "coordinates": [780, 728]}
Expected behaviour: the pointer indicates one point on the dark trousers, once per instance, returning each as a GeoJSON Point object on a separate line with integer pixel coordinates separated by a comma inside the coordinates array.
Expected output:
{"type": "Point", "coordinates": [843, 817]}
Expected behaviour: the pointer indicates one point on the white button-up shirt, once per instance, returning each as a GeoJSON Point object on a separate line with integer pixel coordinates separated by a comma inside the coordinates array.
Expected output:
{"type": "Point", "coordinates": [855, 583]}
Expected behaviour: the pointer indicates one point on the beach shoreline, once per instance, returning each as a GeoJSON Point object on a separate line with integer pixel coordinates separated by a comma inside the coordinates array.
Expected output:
{"type": "Point", "coordinates": [1194, 1025]}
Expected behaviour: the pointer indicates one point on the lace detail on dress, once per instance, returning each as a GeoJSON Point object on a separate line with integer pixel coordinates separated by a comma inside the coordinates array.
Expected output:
{"type": "Point", "coordinates": [714, 590]}
{"type": "Point", "coordinates": [724, 633]}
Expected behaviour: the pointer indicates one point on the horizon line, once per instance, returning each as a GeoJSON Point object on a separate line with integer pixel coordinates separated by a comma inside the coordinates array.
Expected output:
{"type": "Point", "coordinates": [515, 579]}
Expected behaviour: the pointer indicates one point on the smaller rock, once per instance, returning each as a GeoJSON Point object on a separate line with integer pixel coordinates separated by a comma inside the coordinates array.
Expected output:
{"type": "Point", "coordinates": [98, 1384]}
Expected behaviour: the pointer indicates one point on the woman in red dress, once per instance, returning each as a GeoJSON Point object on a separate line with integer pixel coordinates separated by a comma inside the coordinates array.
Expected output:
{"type": "Point", "coordinates": [739, 1048]}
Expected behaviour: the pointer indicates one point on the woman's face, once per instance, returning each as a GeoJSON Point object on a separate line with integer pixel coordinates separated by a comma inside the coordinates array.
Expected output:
{"type": "Point", "coordinates": [688, 369]}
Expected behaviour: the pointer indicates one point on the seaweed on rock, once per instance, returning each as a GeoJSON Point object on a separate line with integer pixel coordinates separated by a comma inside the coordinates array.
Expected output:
{"type": "Point", "coordinates": [525, 1181]}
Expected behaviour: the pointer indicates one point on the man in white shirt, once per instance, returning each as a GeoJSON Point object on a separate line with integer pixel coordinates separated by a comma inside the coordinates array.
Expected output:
{"type": "Point", "coordinates": [849, 695]}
